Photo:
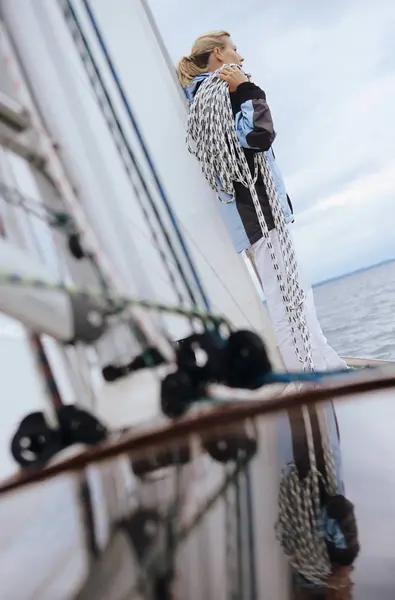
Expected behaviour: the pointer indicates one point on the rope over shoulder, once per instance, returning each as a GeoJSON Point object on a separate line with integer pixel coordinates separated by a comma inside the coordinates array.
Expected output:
{"type": "Point", "coordinates": [212, 139]}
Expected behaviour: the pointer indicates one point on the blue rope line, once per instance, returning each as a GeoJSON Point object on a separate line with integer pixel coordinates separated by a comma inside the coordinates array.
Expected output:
{"type": "Point", "coordinates": [302, 376]}
{"type": "Point", "coordinates": [273, 378]}
{"type": "Point", "coordinates": [146, 152]}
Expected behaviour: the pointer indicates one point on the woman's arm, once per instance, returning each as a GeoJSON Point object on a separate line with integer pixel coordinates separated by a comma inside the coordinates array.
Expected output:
{"type": "Point", "coordinates": [254, 123]}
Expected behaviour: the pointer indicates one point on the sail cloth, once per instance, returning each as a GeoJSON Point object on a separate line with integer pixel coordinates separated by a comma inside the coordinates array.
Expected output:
{"type": "Point", "coordinates": [312, 508]}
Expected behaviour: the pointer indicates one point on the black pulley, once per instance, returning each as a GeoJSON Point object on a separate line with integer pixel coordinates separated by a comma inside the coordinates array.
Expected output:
{"type": "Point", "coordinates": [201, 357]}
{"type": "Point", "coordinates": [75, 247]}
{"type": "Point", "coordinates": [34, 443]}
{"type": "Point", "coordinates": [240, 443]}
{"type": "Point", "coordinates": [246, 359]}
{"type": "Point", "coordinates": [114, 372]}
{"type": "Point", "coordinates": [79, 427]}
{"type": "Point", "coordinates": [177, 394]}
{"type": "Point", "coordinates": [342, 524]}
{"type": "Point", "coordinates": [150, 358]}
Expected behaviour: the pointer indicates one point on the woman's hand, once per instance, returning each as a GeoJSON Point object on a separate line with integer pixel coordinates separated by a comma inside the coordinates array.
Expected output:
{"type": "Point", "coordinates": [233, 77]}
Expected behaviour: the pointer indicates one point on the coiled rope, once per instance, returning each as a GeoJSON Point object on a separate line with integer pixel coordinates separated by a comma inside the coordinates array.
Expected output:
{"type": "Point", "coordinates": [212, 138]}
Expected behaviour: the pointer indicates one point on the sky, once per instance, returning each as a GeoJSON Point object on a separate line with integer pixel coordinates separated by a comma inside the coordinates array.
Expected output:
{"type": "Point", "coordinates": [329, 73]}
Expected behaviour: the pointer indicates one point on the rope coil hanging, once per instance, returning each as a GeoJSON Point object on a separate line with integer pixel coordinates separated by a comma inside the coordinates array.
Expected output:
{"type": "Point", "coordinates": [212, 138]}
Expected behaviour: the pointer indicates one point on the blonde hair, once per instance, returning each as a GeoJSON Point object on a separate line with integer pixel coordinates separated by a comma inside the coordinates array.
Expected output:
{"type": "Point", "coordinates": [196, 63]}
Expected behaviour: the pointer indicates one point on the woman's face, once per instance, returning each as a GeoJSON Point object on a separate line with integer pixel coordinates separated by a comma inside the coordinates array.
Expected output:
{"type": "Point", "coordinates": [229, 54]}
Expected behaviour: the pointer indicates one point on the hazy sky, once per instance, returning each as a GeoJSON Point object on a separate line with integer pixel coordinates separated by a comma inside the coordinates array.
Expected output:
{"type": "Point", "coordinates": [329, 73]}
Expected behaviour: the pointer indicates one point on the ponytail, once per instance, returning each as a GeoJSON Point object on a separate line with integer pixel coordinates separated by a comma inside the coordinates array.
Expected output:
{"type": "Point", "coordinates": [197, 62]}
{"type": "Point", "coordinates": [187, 69]}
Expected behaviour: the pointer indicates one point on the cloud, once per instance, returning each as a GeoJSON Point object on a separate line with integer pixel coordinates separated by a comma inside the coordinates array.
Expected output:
{"type": "Point", "coordinates": [350, 228]}
{"type": "Point", "coordinates": [329, 74]}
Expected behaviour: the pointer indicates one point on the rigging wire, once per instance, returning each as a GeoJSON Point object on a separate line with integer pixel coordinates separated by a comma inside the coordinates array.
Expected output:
{"type": "Point", "coordinates": [128, 108]}
{"type": "Point", "coordinates": [53, 218]}
{"type": "Point", "coordinates": [122, 144]}
{"type": "Point", "coordinates": [118, 301]}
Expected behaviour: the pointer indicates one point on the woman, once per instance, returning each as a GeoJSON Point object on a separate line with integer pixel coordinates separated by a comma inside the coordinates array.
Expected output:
{"type": "Point", "coordinates": [255, 132]}
{"type": "Point", "coordinates": [233, 143]}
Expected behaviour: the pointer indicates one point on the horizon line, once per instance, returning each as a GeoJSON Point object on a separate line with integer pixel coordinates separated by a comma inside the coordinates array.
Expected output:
{"type": "Point", "coordinates": [349, 273]}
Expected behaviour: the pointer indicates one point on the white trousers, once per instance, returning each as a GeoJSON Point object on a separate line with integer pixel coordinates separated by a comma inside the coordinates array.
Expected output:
{"type": "Point", "coordinates": [324, 357]}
